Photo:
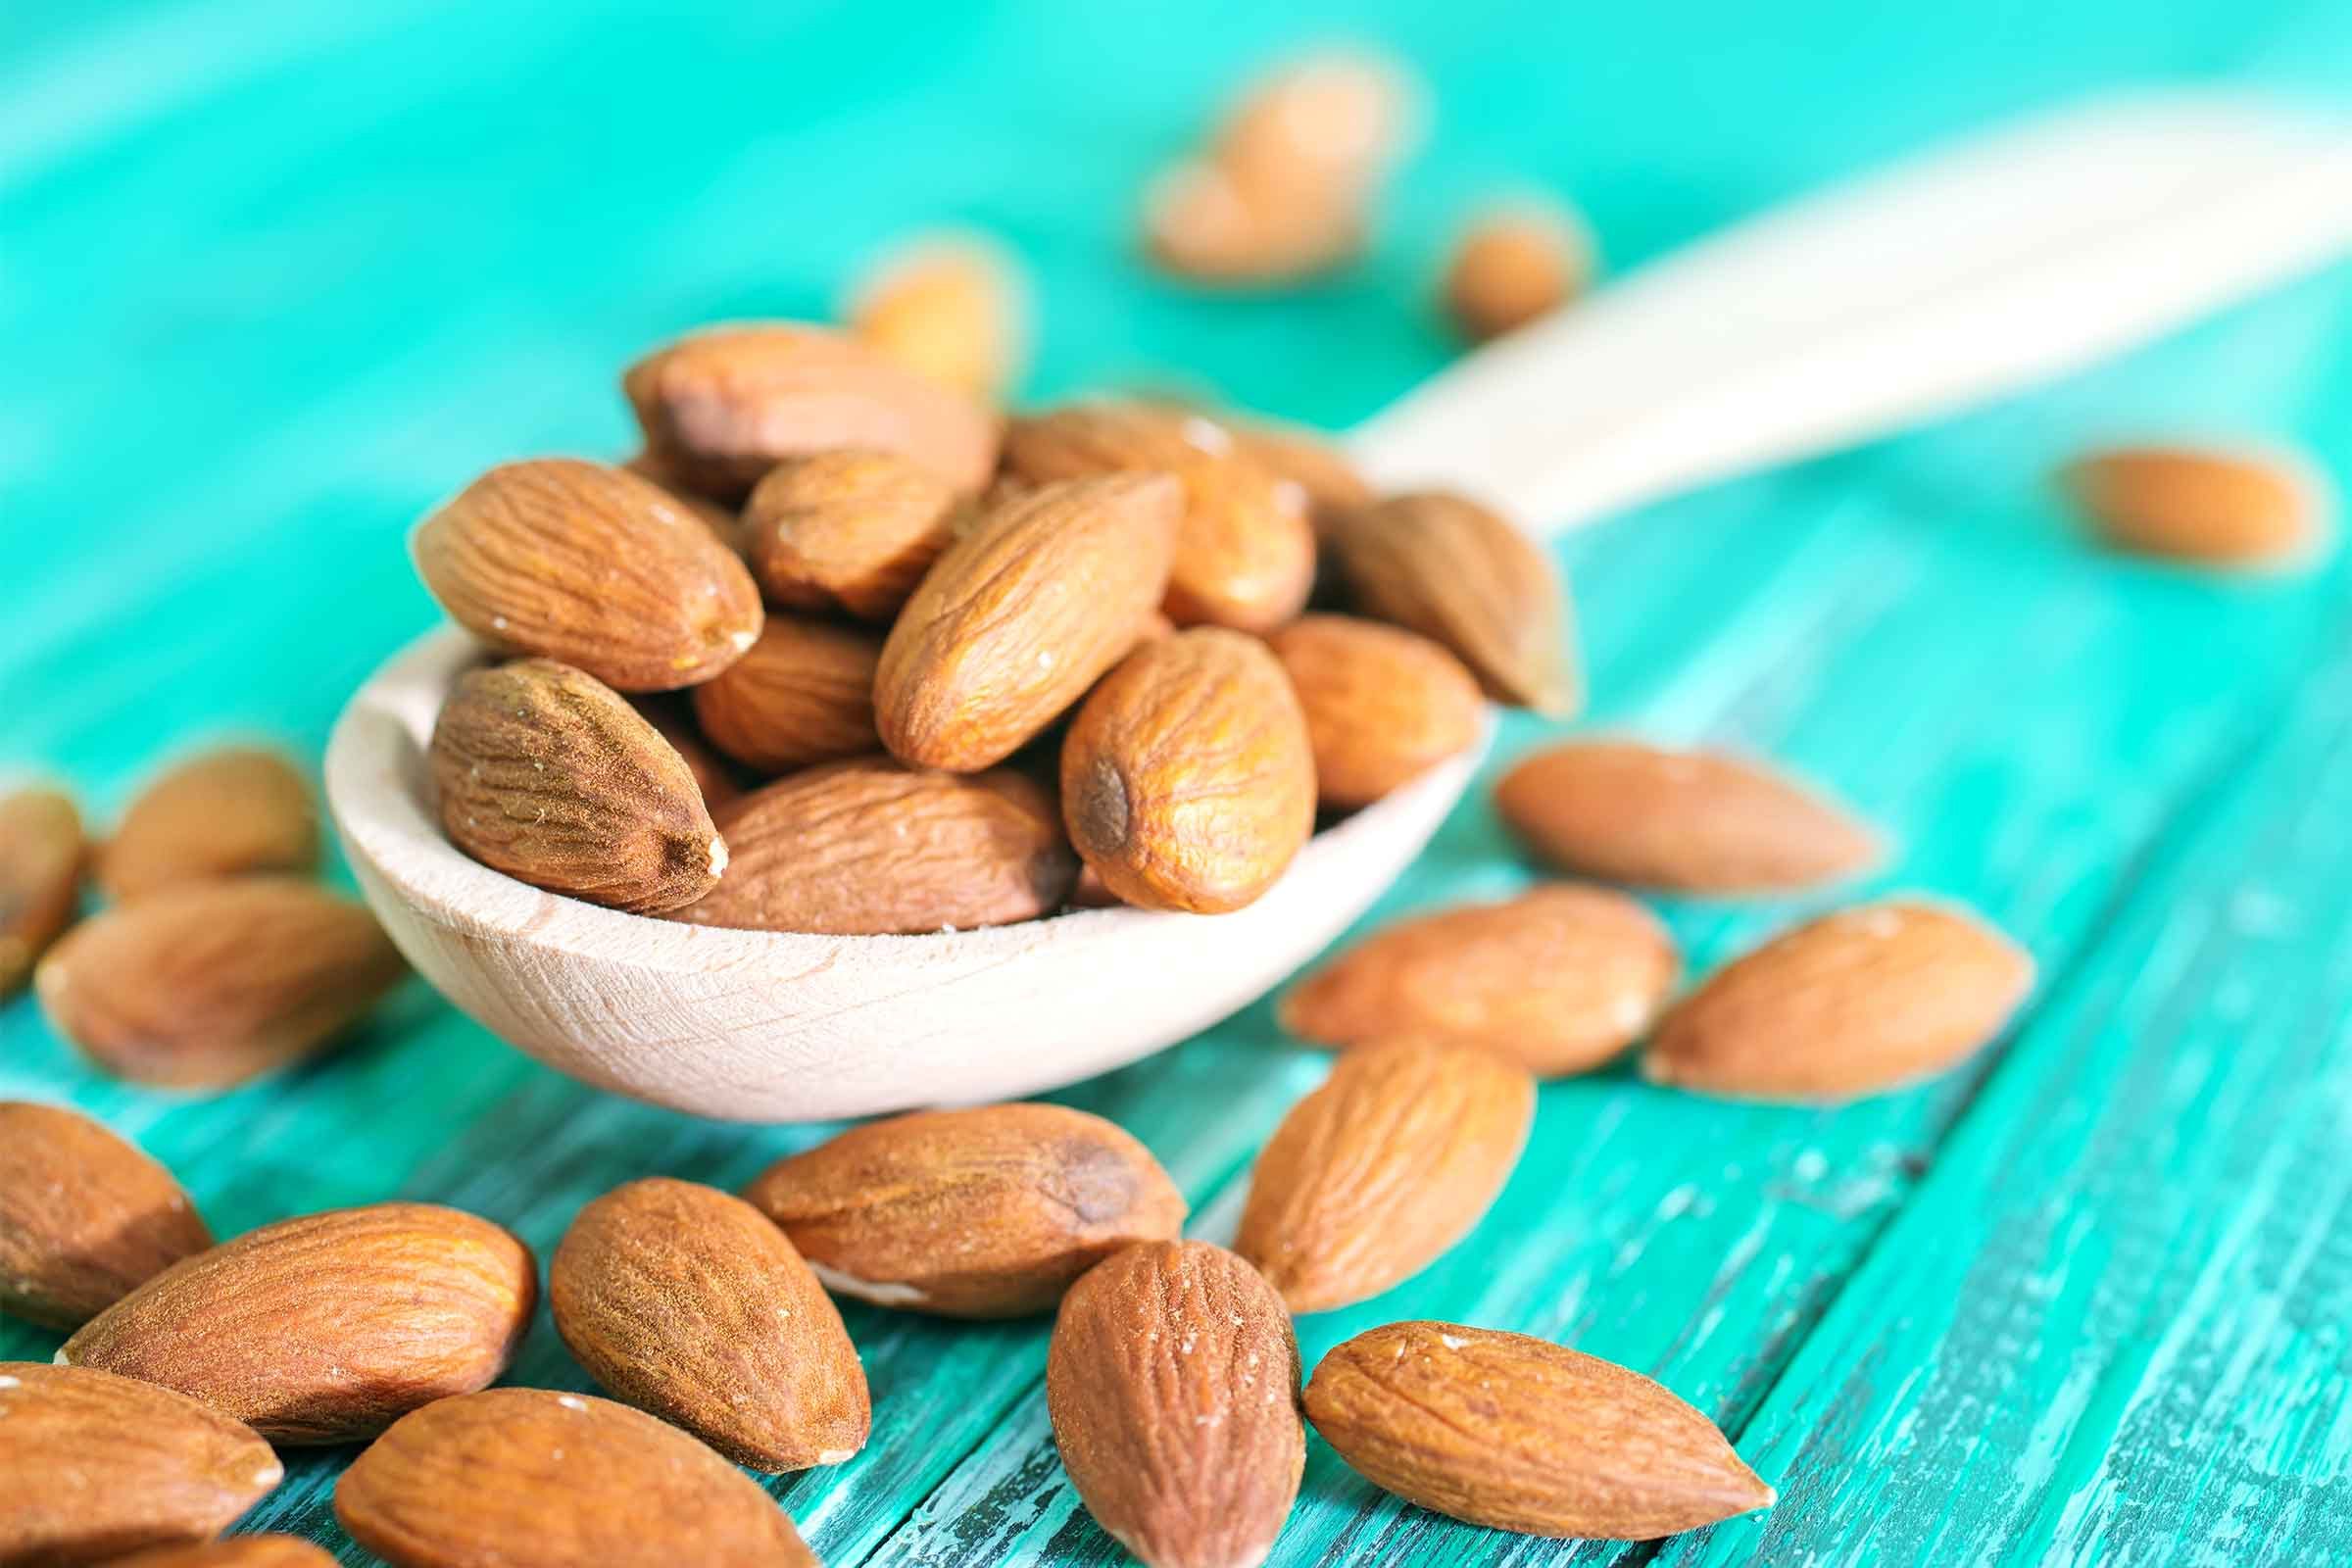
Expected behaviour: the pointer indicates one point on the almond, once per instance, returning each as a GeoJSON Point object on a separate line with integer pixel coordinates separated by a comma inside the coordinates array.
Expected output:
{"type": "Point", "coordinates": [1856, 1003]}
{"type": "Point", "coordinates": [2211, 506]}
{"type": "Point", "coordinates": [547, 774]}
{"type": "Point", "coordinates": [1514, 265]}
{"type": "Point", "coordinates": [1305, 458]}
{"type": "Point", "coordinates": [529, 1478]}
{"type": "Point", "coordinates": [1382, 704]}
{"type": "Point", "coordinates": [84, 1216]}
{"type": "Point", "coordinates": [1559, 979]}
{"type": "Point", "coordinates": [95, 1465]}
{"type": "Point", "coordinates": [1453, 570]}
{"type": "Point", "coordinates": [1520, 1434]}
{"type": "Point", "coordinates": [726, 524]}
{"type": "Point", "coordinates": [1203, 223]}
{"type": "Point", "coordinates": [236, 1552]}
{"type": "Point", "coordinates": [1188, 780]}
{"type": "Point", "coordinates": [803, 694]}
{"type": "Point", "coordinates": [726, 405]}
{"type": "Point", "coordinates": [673, 718]}
{"type": "Point", "coordinates": [853, 529]}
{"type": "Point", "coordinates": [1384, 1168]}
{"type": "Point", "coordinates": [1691, 821]}
{"type": "Point", "coordinates": [206, 985]}
{"type": "Point", "coordinates": [1244, 550]}
{"type": "Point", "coordinates": [593, 567]}
{"type": "Point", "coordinates": [1021, 615]}
{"type": "Point", "coordinates": [869, 847]}
{"type": "Point", "coordinates": [686, 1302]}
{"type": "Point", "coordinates": [1172, 1381]}
{"type": "Point", "coordinates": [1331, 122]}
{"type": "Point", "coordinates": [233, 811]}
{"type": "Point", "coordinates": [326, 1328]}
{"type": "Point", "coordinates": [41, 853]}
{"type": "Point", "coordinates": [950, 307]}
{"type": "Point", "coordinates": [987, 1212]}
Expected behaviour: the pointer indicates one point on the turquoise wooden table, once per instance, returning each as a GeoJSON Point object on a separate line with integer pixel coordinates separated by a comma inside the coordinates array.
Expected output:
{"type": "Point", "coordinates": [276, 275]}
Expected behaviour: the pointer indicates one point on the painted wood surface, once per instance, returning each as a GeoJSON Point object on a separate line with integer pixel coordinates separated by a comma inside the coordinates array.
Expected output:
{"type": "Point", "coordinates": [275, 276]}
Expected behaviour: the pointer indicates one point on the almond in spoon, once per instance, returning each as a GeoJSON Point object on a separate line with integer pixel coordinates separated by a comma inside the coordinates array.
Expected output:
{"type": "Point", "coordinates": [853, 529]}
{"type": "Point", "coordinates": [803, 694]}
{"type": "Point", "coordinates": [1382, 704]}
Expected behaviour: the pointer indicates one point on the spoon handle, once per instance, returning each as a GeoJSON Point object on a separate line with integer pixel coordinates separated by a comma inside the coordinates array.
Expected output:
{"type": "Point", "coordinates": [1948, 279]}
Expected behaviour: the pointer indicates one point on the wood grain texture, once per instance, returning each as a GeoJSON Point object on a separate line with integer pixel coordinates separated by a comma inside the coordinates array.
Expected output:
{"type": "Point", "coordinates": [407, 241]}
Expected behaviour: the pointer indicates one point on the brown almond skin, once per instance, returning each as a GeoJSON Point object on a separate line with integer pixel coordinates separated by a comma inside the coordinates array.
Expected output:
{"type": "Point", "coordinates": [549, 775]}
{"type": "Point", "coordinates": [41, 854]}
{"type": "Point", "coordinates": [850, 530]}
{"type": "Point", "coordinates": [208, 983]}
{"type": "Point", "coordinates": [685, 1302]}
{"type": "Point", "coordinates": [725, 523]}
{"type": "Point", "coordinates": [2205, 505]}
{"type": "Point", "coordinates": [1021, 615]}
{"type": "Point", "coordinates": [1451, 570]}
{"type": "Point", "coordinates": [1696, 822]}
{"type": "Point", "coordinates": [1520, 1434]}
{"type": "Point", "coordinates": [1560, 979]}
{"type": "Point", "coordinates": [724, 405]}
{"type": "Point", "coordinates": [1381, 1170]}
{"type": "Point", "coordinates": [1513, 266]}
{"type": "Point", "coordinates": [1329, 120]}
{"type": "Point", "coordinates": [235, 1552]}
{"type": "Point", "coordinates": [1382, 704]}
{"type": "Point", "coordinates": [673, 718]}
{"type": "Point", "coordinates": [84, 1216]}
{"type": "Point", "coordinates": [233, 811]}
{"type": "Point", "coordinates": [803, 694]}
{"type": "Point", "coordinates": [591, 565]}
{"type": "Point", "coordinates": [869, 847]}
{"type": "Point", "coordinates": [1172, 1381]}
{"type": "Point", "coordinates": [93, 1465]}
{"type": "Point", "coordinates": [1202, 223]}
{"type": "Point", "coordinates": [1244, 550]}
{"type": "Point", "coordinates": [1856, 1003]}
{"type": "Point", "coordinates": [950, 307]}
{"type": "Point", "coordinates": [1305, 458]}
{"type": "Point", "coordinates": [530, 1478]}
{"type": "Point", "coordinates": [1188, 780]}
{"type": "Point", "coordinates": [328, 1327]}
{"type": "Point", "coordinates": [989, 1213]}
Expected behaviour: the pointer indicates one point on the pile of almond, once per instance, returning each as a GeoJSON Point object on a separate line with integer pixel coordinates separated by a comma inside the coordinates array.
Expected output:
{"type": "Point", "coordinates": [933, 663]}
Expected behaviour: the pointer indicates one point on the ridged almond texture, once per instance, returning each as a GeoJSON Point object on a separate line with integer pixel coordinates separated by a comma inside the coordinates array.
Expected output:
{"type": "Point", "coordinates": [546, 773]}
{"type": "Point", "coordinates": [529, 1478]}
{"type": "Point", "coordinates": [987, 1212]}
{"type": "Point", "coordinates": [1520, 1434]}
{"type": "Point", "coordinates": [1172, 1381]}
{"type": "Point", "coordinates": [803, 694]}
{"type": "Point", "coordinates": [236, 1552]}
{"type": "Point", "coordinates": [853, 530]}
{"type": "Point", "coordinates": [724, 405]}
{"type": "Point", "coordinates": [1381, 1169]}
{"type": "Point", "coordinates": [1559, 979]}
{"type": "Point", "coordinates": [949, 307]}
{"type": "Point", "coordinates": [1021, 615]}
{"type": "Point", "coordinates": [1382, 704]}
{"type": "Point", "coordinates": [1188, 781]}
{"type": "Point", "coordinates": [725, 523]}
{"type": "Point", "coordinates": [1856, 1003]}
{"type": "Point", "coordinates": [41, 854]}
{"type": "Point", "coordinates": [1691, 821]}
{"type": "Point", "coordinates": [685, 1302]}
{"type": "Point", "coordinates": [869, 847]}
{"type": "Point", "coordinates": [1450, 569]}
{"type": "Point", "coordinates": [672, 716]}
{"type": "Point", "coordinates": [2208, 506]}
{"type": "Point", "coordinates": [591, 566]}
{"type": "Point", "coordinates": [1246, 550]}
{"type": "Point", "coordinates": [207, 984]}
{"type": "Point", "coordinates": [233, 811]}
{"type": "Point", "coordinates": [95, 1465]}
{"type": "Point", "coordinates": [84, 1216]}
{"type": "Point", "coordinates": [1513, 264]}
{"type": "Point", "coordinates": [326, 1328]}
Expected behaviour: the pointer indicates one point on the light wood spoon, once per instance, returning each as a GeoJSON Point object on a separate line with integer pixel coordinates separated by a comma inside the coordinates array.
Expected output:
{"type": "Point", "coordinates": [1953, 277]}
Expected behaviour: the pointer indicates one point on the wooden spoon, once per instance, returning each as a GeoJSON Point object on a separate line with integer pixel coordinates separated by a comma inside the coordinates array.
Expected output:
{"type": "Point", "coordinates": [1952, 278]}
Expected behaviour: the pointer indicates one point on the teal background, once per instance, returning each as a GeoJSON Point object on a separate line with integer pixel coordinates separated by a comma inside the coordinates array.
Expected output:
{"type": "Point", "coordinates": [276, 275]}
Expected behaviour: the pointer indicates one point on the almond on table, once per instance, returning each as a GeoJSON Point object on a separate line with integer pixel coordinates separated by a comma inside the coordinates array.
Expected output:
{"type": "Point", "coordinates": [1559, 979]}
{"type": "Point", "coordinates": [1514, 263]}
{"type": "Point", "coordinates": [41, 854]}
{"type": "Point", "coordinates": [1520, 1434]}
{"type": "Point", "coordinates": [2224, 506]}
{"type": "Point", "coordinates": [986, 1213]}
{"type": "Point", "coordinates": [1382, 704]}
{"type": "Point", "coordinates": [234, 811]}
{"type": "Point", "coordinates": [952, 307]}
{"type": "Point", "coordinates": [1691, 821]}
{"type": "Point", "coordinates": [86, 1217]}
{"type": "Point", "coordinates": [1381, 1169]}
{"type": "Point", "coordinates": [233, 1551]}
